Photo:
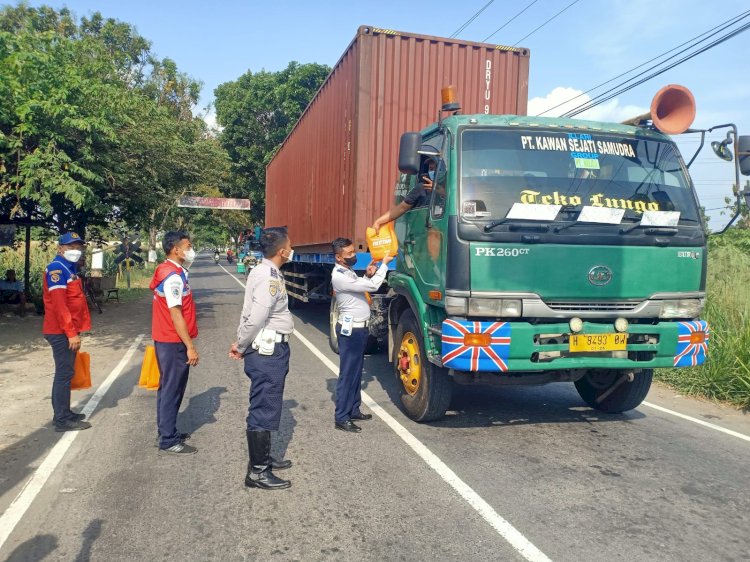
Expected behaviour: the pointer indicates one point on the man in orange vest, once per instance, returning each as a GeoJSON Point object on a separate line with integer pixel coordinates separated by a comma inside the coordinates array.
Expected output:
{"type": "Point", "coordinates": [173, 328]}
{"type": "Point", "coordinates": [66, 315]}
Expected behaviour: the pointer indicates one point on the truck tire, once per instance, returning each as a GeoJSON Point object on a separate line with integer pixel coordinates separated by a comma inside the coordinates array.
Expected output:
{"type": "Point", "coordinates": [426, 389]}
{"type": "Point", "coordinates": [333, 318]}
{"type": "Point", "coordinates": [627, 396]}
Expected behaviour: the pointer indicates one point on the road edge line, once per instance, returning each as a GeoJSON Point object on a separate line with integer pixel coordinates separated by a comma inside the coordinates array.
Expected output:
{"type": "Point", "coordinates": [697, 421]}
{"type": "Point", "coordinates": [18, 507]}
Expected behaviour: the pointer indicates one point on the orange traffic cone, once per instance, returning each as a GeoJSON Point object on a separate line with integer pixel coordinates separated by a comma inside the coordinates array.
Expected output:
{"type": "Point", "coordinates": [149, 378]}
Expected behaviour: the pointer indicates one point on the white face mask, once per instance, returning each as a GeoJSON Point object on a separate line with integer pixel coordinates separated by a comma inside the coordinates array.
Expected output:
{"type": "Point", "coordinates": [189, 255]}
{"type": "Point", "coordinates": [72, 255]}
{"type": "Point", "coordinates": [290, 257]}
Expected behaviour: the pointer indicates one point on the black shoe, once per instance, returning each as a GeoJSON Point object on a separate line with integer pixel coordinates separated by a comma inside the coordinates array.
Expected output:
{"type": "Point", "coordinates": [361, 417]}
{"type": "Point", "coordinates": [349, 426]}
{"type": "Point", "coordinates": [179, 449]}
{"type": "Point", "coordinates": [183, 437]}
{"type": "Point", "coordinates": [280, 465]}
{"type": "Point", "coordinates": [78, 417]}
{"type": "Point", "coordinates": [72, 425]}
{"type": "Point", "coordinates": [265, 480]}
{"type": "Point", "coordinates": [259, 473]}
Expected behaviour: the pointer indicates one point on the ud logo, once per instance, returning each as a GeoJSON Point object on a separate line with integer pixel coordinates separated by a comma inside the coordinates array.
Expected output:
{"type": "Point", "coordinates": [600, 275]}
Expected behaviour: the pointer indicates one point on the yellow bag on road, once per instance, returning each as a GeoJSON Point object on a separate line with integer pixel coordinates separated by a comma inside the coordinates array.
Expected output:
{"type": "Point", "coordinates": [149, 378]}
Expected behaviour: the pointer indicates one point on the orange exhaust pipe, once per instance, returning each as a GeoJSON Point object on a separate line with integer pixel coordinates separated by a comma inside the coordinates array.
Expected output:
{"type": "Point", "coordinates": [672, 110]}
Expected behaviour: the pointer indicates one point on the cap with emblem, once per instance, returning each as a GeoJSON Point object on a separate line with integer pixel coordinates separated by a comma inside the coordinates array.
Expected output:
{"type": "Point", "coordinates": [70, 238]}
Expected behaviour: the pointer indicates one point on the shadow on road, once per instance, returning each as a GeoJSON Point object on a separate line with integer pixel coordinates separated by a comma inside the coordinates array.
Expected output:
{"type": "Point", "coordinates": [201, 409]}
{"type": "Point", "coordinates": [92, 532]}
{"type": "Point", "coordinates": [36, 548]}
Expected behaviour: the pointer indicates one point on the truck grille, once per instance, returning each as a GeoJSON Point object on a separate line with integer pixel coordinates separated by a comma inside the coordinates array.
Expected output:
{"type": "Point", "coordinates": [593, 306]}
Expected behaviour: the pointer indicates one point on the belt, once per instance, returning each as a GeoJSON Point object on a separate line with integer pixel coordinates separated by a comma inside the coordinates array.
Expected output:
{"type": "Point", "coordinates": [282, 338]}
{"type": "Point", "coordinates": [364, 324]}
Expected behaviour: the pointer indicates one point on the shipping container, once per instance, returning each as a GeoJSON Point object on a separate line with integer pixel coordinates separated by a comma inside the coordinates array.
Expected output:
{"type": "Point", "coordinates": [336, 171]}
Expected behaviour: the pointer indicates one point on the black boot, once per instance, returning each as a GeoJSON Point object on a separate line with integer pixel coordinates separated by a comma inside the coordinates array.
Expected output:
{"type": "Point", "coordinates": [259, 473]}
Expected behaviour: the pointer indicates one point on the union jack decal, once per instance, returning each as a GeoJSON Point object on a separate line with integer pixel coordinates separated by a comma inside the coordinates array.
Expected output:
{"type": "Point", "coordinates": [462, 357]}
{"type": "Point", "coordinates": [691, 354]}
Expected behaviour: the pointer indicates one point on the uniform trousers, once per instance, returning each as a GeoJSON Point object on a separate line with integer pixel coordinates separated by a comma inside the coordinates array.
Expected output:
{"type": "Point", "coordinates": [351, 361]}
{"type": "Point", "coordinates": [267, 374]}
{"type": "Point", "coordinates": [173, 376]}
{"type": "Point", "coordinates": [64, 368]}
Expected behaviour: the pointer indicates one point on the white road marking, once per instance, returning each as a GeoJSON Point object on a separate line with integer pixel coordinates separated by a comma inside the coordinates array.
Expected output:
{"type": "Point", "coordinates": [699, 422]}
{"type": "Point", "coordinates": [507, 531]}
{"type": "Point", "coordinates": [16, 510]}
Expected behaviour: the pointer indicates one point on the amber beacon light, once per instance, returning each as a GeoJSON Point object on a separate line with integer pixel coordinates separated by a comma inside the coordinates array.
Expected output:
{"type": "Point", "coordinates": [449, 99]}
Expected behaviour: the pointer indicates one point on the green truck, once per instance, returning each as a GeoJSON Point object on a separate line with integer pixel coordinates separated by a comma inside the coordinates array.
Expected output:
{"type": "Point", "coordinates": [552, 250]}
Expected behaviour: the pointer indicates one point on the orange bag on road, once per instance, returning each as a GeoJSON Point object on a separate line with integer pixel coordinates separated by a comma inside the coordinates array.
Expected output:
{"type": "Point", "coordinates": [149, 370]}
{"type": "Point", "coordinates": [382, 242]}
{"type": "Point", "coordinates": [82, 374]}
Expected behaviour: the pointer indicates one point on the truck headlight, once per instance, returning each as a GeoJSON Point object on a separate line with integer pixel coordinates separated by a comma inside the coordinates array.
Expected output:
{"type": "Point", "coordinates": [496, 308]}
{"type": "Point", "coordinates": [456, 306]}
{"type": "Point", "coordinates": [681, 308]}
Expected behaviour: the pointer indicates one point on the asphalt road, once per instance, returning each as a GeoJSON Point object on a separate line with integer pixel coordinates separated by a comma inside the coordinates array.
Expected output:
{"type": "Point", "coordinates": [576, 484]}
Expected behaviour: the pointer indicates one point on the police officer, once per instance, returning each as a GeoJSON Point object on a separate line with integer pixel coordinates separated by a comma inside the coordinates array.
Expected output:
{"type": "Point", "coordinates": [66, 315]}
{"type": "Point", "coordinates": [263, 340]}
{"type": "Point", "coordinates": [173, 327]}
{"type": "Point", "coordinates": [352, 304]}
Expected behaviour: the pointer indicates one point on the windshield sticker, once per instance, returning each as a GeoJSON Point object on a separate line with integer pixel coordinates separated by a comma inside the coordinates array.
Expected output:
{"type": "Point", "coordinates": [529, 197]}
{"type": "Point", "coordinates": [660, 218]}
{"type": "Point", "coordinates": [581, 143]}
{"type": "Point", "coordinates": [601, 215]}
{"type": "Point", "coordinates": [533, 212]}
{"type": "Point", "coordinates": [470, 208]}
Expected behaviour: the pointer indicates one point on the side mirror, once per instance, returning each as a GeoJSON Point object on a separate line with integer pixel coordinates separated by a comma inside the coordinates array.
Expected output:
{"type": "Point", "coordinates": [408, 153]}
{"type": "Point", "coordinates": [743, 153]}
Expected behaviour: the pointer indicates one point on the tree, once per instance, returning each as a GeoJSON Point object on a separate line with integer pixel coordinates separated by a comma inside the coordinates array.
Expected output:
{"type": "Point", "coordinates": [95, 130]}
{"type": "Point", "coordinates": [257, 112]}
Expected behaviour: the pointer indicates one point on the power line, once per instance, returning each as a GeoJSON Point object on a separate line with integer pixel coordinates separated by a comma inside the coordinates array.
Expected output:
{"type": "Point", "coordinates": [471, 19]}
{"type": "Point", "coordinates": [510, 20]}
{"type": "Point", "coordinates": [604, 97]}
{"type": "Point", "coordinates": [730, 21]}
{"type": "Point", "coordinates": [546, 22]}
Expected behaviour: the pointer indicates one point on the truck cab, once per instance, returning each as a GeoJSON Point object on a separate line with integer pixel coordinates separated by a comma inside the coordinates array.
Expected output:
{"type": "Point", "coordinates": [552, 250]}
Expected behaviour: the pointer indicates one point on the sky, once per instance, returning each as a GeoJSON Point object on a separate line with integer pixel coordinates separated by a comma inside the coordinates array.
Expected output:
{"type": "Point", "coordinates": [589, 43]}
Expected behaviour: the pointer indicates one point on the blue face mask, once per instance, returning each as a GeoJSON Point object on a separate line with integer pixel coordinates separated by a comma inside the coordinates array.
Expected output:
{"type": "Point", "coordinates": [431, 174]}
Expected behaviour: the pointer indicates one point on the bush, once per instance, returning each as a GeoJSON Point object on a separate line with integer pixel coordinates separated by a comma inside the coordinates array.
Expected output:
{"type": "Point", "coordinates": [726, 373]}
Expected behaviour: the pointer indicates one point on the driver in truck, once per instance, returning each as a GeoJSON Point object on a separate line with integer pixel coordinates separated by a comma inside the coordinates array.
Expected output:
{"type": "Point", "coordinates": [417, 197]}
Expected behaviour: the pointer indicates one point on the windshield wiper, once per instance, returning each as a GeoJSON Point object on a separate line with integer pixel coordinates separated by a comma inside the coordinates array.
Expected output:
{"type": "Point", "coordinates": [651, 229]}
{"type": "Point", "coordinates": [516, 226]}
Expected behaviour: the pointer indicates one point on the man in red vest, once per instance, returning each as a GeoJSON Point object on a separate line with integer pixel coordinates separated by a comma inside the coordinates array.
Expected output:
{"type": "Point", "coordinates": [66, 315]}
{"type": "Point", "coordinates": [173, 328]}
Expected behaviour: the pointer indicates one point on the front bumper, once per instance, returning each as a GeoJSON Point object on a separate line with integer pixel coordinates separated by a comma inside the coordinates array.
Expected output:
{"type": "Point", "coordinates": [521, 346]}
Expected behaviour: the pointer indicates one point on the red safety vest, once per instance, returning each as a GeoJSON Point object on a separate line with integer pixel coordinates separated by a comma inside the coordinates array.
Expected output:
{"type": "Point", "coordinates": [162, 328]}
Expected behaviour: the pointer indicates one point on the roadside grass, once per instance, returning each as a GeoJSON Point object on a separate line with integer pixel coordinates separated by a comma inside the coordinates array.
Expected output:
{"type": "Point", "coordinates": [726, 374]}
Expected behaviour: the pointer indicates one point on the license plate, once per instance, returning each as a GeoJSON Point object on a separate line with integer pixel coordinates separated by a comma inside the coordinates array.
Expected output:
{"type": "Point", "coordinates": [598, 342]}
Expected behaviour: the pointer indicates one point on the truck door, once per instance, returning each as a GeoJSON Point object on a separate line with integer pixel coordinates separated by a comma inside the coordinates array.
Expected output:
{"type": "Point", "coordinates": [424, 247]}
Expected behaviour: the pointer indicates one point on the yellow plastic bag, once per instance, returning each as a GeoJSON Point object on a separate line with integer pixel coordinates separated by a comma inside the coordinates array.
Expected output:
{"type": "Point", "coordinates": [82, 372]}
{"type": "Point", "coordinates": [149, 370]}
{"type": "Point", "coordinates": [382, 242]}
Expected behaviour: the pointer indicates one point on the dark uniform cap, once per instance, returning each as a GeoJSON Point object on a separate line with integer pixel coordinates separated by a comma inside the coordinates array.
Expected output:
{"type": "Point", "coordinates": [70, 238]}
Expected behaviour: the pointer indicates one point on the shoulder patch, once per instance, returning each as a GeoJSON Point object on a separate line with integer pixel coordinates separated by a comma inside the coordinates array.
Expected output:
{"type": "Point", "coordinates": [341, 270]}
{"type": "Point", "coordinates": [51, 271]}
{"type": "Point", "coordinates": [273, 288]}
{"type": "Point", "coordinates": [55, 276]}
{"type": "Point", "coordinates": [274, 274]}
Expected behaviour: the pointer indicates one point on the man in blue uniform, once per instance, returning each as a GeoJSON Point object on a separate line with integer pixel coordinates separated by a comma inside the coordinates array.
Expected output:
{"type": "Point", "coordinates": [263, 341]}
{"type": "Point", "coordinates": [352, 330]}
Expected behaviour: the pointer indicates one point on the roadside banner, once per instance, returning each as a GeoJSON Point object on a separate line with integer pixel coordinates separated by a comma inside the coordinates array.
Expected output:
{"type": "Point", "coordinates": [214, 203]}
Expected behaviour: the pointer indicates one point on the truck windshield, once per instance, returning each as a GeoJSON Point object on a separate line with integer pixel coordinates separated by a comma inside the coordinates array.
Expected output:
{"type": "Point", "coordinates": [501, 167]}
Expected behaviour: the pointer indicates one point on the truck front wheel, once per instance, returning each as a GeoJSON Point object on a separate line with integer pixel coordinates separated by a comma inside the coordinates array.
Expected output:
{"type": "Point", "coordinates": [426, 389]}
{"type": "Point", "coordinates": [608, 391]}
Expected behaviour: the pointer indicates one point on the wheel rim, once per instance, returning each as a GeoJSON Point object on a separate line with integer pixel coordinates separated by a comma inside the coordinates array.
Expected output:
{"type": "Point", "coordinates": [409, 364]}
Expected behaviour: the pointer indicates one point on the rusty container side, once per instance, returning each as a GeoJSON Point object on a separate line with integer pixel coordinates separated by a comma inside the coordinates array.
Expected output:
{"type": "Point", "coordinates": [335, 172]}
{"type": "Point", "coordinates": [309, 182]}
